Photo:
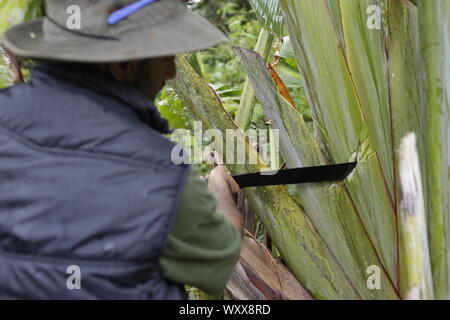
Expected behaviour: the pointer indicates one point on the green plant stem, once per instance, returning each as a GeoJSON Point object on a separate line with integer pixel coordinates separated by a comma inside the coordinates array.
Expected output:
{"type": "Point", "coordinates": [432, 37]}
{"type": "Point", "coordinates": [248, 99]}
{"type": "Point", "coordinates": [274, 150]}
{"type": "Point", "coordinates": [417, 284]}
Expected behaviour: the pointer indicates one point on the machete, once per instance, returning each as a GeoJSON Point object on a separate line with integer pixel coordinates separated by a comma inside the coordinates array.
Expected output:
{"type": "Point", "coordinates": [335, 172]}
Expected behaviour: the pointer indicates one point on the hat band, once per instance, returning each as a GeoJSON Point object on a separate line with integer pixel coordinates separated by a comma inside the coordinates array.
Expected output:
{"type": "Point", "coordinates": [80, 33]}
{"type": "Point", "coordinates": [123, 13]}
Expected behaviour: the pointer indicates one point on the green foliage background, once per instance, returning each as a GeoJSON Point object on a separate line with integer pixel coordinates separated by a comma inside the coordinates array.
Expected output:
{"type": "Point", "coordinates": [12, 13]}
{"type": "Point", "coordinates": [219, 65]}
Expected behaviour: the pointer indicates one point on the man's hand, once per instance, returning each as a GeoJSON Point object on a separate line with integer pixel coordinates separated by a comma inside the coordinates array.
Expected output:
{"type": "Point", "coordinates": [223, 186]}
{"type": "Point", "coordinates": [220, 179]}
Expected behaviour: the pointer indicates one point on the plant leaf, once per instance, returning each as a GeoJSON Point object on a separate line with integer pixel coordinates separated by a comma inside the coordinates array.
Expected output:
{"type": "Point", "coordinates": [339, 116]}
{"type": "Point", "coordinates": [434, 39]}
{"type": "Point", "coordinates": [270, 16]}
{"type": "Point", "coordinates": [367, 61]}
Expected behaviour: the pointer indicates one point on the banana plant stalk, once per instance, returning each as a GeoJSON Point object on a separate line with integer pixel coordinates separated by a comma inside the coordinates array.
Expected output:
{"type": "Point", "coordinates": [301, 247]}
{"type": "Point", "coordinates": [327, 205]}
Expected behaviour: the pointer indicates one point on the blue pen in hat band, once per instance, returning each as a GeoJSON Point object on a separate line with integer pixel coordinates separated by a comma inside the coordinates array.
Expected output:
{"type": "Point", "coordinates": [127, 11]}
{"type": "Point", "coordinates": [114, 18]}
{"type": "Point", "coordinates": [81, 33]}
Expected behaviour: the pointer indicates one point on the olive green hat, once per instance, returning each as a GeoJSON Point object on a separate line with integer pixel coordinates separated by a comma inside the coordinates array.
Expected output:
{"type": "Point", "coordinates": [94, 31]}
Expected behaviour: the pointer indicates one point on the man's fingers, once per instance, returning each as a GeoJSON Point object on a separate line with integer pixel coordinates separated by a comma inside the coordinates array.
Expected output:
{"type": "Point", "coordinates": [233, 184]}
{"type": "Point", "coordinates": [221, 173]}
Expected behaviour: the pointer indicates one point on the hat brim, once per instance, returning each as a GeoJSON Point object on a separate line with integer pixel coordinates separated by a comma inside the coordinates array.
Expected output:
{"type": "Point", "coordinates": [188, 32]}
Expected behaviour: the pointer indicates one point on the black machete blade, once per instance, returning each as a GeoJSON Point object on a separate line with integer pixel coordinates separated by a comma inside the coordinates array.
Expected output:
{"type": "Point", "coordinates": [335, 172]}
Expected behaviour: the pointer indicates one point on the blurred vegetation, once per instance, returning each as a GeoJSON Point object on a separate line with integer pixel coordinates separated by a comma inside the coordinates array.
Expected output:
{"type": "Point", "coordinates": [12, 13]}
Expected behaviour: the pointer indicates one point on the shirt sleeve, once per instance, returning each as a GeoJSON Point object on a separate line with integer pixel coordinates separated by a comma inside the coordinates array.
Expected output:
{"type": "Point", "coordinates": [203, 246]}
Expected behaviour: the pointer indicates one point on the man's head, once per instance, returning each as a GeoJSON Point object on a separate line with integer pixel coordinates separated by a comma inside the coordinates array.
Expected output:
{"type": "Point", "coordinates": [89, 32]}
{"type": "Point", "coordinates": [148, 75]}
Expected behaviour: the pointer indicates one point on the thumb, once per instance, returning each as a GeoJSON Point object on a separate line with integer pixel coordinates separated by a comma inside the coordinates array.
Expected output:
{"type": "Point", "coordinates": [233, 184]}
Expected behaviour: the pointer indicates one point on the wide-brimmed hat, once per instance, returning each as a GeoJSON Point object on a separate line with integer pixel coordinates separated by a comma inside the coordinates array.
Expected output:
{"type": "Point", "coordinates": [112, 31]}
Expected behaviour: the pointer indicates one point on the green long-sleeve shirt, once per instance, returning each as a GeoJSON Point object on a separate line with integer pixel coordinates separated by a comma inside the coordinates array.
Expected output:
{"type": "Point", "coordinates": [203, 245]}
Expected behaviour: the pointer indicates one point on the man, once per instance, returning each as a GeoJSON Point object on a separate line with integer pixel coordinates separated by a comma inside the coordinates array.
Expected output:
{"type": "Point", "coordinates": [91, 205]}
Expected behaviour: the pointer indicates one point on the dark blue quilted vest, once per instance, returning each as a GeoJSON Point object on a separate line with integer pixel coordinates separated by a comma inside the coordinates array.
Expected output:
{"type": "Point", "coordinates": [88, 191]}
